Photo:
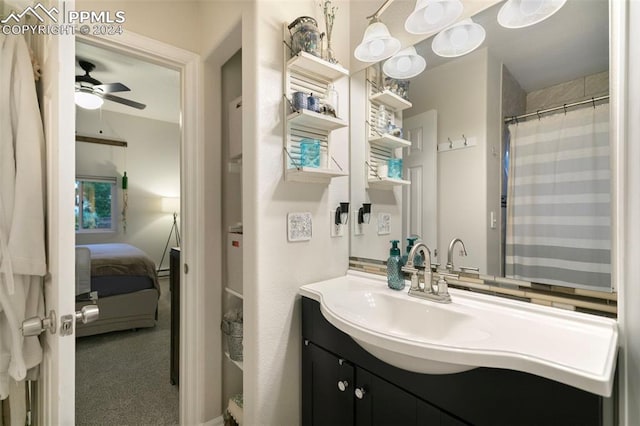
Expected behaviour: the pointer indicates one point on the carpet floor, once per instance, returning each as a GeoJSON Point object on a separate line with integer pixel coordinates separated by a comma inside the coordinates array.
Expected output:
{"type": "Point", "coordinates": [122, 378]}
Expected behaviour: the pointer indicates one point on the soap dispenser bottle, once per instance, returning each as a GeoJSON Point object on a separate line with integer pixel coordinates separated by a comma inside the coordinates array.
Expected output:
{"type": "Point", "coordinates": [417, 260]}
{"type": "Point", "coordinates": [395, 279]}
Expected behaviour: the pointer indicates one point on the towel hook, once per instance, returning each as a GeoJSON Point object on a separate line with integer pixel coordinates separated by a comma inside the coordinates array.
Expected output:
{"type": "Point", "coordinates": [450, 143]}
{"type": "Point", "coordinates": [565, 109]}
{"type": "Point", "coordinates": [593, 101]}
{"type": "Point", "coordinates": [538, 113]}
{"type": "Point", "coordinates": [465, 139]}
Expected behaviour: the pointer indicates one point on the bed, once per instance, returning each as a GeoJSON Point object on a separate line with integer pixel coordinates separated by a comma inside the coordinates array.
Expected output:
{"type": "Point", "coordinates": [125, 281]}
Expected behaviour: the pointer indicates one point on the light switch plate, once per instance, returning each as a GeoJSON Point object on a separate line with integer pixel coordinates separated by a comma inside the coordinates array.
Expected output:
{"type": "Point", "coordinates": [336, 230]}
{"type": "Point", "coordinates": [299, 226]}
{"type": "Point", "coordinates": [384, 223]}
{"type": "Point", "coordinates": [358, 228]}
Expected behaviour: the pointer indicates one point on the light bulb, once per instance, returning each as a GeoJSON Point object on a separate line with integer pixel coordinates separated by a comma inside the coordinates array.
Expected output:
{"type": "Point", "coordinates": [403, 64]}
{"type": "Point", "coordinates": [433, 12]}
{"type": "Point", "coordinates": [529, 7]}
{"type": "Point", "coordinates": [376, 47]}
{"type": "Point", "coordinates": [459, 36]}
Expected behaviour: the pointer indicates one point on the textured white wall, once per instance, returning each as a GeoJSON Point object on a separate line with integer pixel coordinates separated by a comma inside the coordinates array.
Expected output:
{"type": "Point", "coordinates": [172, 22]}
{"type": "Point", "coordinates": [274, 268]}
{"type": "Point", "coordinates": [152, 165]}
{"type": "Point", "coordinates": [458, 91]}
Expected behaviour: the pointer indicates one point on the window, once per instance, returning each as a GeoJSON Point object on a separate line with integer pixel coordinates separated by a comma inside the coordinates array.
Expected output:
{"type": "Point", "coordinates": [95, 204]}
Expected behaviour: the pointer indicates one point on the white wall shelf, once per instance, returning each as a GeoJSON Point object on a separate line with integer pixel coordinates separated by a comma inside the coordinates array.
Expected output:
{"type": "Point", "coordinates": [312, 175]}
{"type": "Point", "coordinates": [391, 100]}
{"type": "Point", "coordinates": [389, 141]}
{"type": "Point", "coordinates": [309, 74]}
{"type": "Point", "coordinates": [319, 69]}
{"type": "Point", "coordinates": [386, 183]}
{"type": "Point", "coordinates": [314, 120]}
{"type": "Point", "coordinates": [238, 364]}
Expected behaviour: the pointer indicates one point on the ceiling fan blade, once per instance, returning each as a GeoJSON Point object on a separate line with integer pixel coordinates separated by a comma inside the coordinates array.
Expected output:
{"type": "Point", "coordinates": [87, 79]}
{"type": "Point", "coordinates": [111, 88]}
{"type": "Point", "coordinates": [120, 100]}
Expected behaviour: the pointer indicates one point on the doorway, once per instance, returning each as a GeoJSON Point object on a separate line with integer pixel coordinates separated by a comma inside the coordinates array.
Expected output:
{"type": "Point", "coordinates": [122, 374]}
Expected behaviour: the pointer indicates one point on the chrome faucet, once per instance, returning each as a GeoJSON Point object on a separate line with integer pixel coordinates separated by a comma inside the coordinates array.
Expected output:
{"type": "Point", "coordinates": [429, 291]}
{"type": "Point", "coordinates": [453, 242]}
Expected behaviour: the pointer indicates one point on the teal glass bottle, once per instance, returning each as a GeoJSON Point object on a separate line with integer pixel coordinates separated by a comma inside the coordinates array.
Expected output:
{"type": "Point", "coordinates": [395, 279]}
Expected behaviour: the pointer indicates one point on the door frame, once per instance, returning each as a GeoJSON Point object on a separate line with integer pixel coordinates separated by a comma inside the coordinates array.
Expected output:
{"type": "Point", "coordinates": [192, 166]}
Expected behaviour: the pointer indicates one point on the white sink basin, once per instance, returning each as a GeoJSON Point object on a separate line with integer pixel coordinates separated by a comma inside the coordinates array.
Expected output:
{"type": "Point", "coordinates": [473, 331]}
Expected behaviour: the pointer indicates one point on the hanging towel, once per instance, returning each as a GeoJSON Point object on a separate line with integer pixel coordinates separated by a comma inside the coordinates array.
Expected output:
{"type": "Point", "coordinates": [22, 244]}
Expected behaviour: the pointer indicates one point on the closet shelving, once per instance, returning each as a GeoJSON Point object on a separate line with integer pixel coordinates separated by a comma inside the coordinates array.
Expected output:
{"type": "Point", "coordinates": [382, 147]}
{"type": "Point", "coordinates": [307, 73]}
{"type": "Point", "coordinates": [236, 363]}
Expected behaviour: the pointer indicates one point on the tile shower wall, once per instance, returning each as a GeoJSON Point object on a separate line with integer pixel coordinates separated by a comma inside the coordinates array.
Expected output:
{"type": "Point", "coordinates": [582, 88]}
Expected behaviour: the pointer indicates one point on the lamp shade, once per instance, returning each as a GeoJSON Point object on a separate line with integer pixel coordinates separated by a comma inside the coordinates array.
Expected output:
{"type": "Point", "coordinates": [87, 100]}
{"type": "Point", "coordinates": [404, 64]}
{"type": "Point", "coordinates": [377, 44]}
{"type": "Point", "coordinates": [430, 16]}
{"type": "Point", "coordinates": [170, 204]}
{"type": "Point", "coordinates": [523, 13]}
{"type": "Point", "coordinates": [459, 39]}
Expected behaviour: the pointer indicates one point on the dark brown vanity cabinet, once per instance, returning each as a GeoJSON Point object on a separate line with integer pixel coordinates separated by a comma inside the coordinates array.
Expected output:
{"type": "Point", "coordinates": [339, 393]}
{"type": "Point", "coordinates": [342, 384]}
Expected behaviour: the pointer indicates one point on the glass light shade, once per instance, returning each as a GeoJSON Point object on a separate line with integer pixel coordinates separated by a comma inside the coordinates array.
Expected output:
{"type": "Point", "coordinates": [523, 13]}
{"type": "Point", "coordinates": [404, 64]}
{"type": "Point", "coordinates": [88, 100]}
{"type": "Point", "coordinates": [459, 39]}
{"type": "Point", "coordinates": [377, 44]}
{"type": "Point", "coordinates": [430, 16]}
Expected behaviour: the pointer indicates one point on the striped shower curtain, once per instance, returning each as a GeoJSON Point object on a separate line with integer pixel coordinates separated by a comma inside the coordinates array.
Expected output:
{"type": "Point", "coordinates": [559, 200]}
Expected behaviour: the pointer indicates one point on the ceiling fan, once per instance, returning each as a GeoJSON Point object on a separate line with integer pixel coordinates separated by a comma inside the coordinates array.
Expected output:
{"type": "Point", "coordinates": [91, 92]}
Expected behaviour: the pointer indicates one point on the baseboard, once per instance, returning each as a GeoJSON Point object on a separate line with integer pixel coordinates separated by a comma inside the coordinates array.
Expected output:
{"type": "Point", "coordinates": [218, 421]}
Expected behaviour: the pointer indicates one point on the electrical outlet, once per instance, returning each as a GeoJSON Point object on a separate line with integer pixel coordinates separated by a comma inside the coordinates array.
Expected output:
{"type": "Point", "coordinates": [336, 230]}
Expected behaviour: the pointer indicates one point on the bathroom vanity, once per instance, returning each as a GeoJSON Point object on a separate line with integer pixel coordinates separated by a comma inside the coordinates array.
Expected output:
{"type": "Point", "coordinates": [378, 393]}
{"type": "Point", "coordinates": [342, 383]}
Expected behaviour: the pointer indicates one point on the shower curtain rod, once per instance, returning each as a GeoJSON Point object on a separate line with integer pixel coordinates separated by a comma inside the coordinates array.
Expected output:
{"type": "Point", "coordinates": [558, 108]}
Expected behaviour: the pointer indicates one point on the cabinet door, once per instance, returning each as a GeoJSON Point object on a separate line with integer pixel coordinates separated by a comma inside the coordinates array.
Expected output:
{"type": "Point", "coordinates": [327, 388]}
{"type": "Point", "coordinates": [383, 403]}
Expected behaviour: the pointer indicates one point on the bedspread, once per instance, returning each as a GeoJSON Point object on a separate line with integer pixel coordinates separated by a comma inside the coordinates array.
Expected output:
{"type": "Point", "coordinates": [121, 259]}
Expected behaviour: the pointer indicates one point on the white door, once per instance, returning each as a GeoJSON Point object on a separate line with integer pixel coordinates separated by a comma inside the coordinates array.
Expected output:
{"type": "Point", "coordinates": [56, 389]}
{"type": "Point", "coordinates": [420, 162]}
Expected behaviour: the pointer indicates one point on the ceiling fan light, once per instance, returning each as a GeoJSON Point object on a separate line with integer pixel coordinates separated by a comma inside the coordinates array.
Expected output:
{"type": "Point", "coordinates": [404, 64]}
{"type": "Point", "coordinates": [430, 16]}
{"type": "Point", "coordinates": [524, 13]}
{"type": "Point", "coordinates": [459, 39]}
{"type": "Point", "coordinates": [88, 100]}
{"type": "Point", "coordinates": [377, 44]}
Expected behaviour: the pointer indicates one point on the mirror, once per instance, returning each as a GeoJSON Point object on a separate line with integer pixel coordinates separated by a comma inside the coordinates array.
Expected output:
{"type": "Point", "coordinates": [460, 193]}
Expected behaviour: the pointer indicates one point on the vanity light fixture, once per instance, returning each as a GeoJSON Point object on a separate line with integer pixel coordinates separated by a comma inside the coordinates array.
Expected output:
{"type": "Point", "coordinates": [404, 64]}
{"type": "Point", "coordinates": [523, 13]}
{"type": "Point", "coordinates": [87, 100]}
{"type": "Point", "coordinates": [459, 39]}
{"type": "Point", "coordinates": [430, 16]}
{"type": "Point", "coordinates": [377, 43]}
{"type": "Point", "coordinates": [342, 214]}
{"type": "Point", "coordinates": [364, 213]}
